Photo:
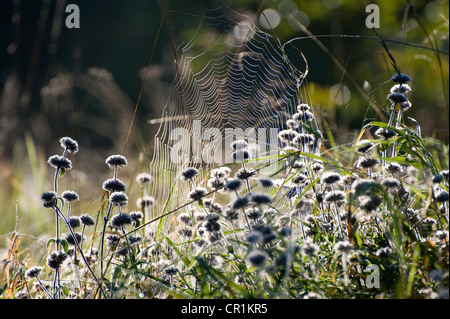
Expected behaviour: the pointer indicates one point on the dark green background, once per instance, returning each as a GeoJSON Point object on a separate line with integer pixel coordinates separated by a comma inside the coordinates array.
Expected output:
{"type": "Point", "coordinates": [119, 36]}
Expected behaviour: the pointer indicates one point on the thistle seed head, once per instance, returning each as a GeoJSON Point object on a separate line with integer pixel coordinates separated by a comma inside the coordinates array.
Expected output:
{"type": "Point", "coordinates": [114, 161]}
{"type": "Point", "coordinates": [189, 173]}
{"type": "Point", "coordinates": [69, 144]}
{"type": "Point", "coordinates": [57, 161]}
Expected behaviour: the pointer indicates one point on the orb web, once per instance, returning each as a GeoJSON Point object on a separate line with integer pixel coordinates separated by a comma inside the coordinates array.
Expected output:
{"type": "Point", "coordinates": [243, 81]}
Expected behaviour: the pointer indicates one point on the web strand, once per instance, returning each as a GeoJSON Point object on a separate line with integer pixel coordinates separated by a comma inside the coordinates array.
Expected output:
{"type": "Point", "coordinates": [246, 82]}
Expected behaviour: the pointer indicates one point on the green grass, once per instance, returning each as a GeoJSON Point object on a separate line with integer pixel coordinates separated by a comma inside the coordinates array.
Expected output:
{"type": "Point", "coordinates": [405, 235]}
{"type": "Point", "coordinates": [377, 241]}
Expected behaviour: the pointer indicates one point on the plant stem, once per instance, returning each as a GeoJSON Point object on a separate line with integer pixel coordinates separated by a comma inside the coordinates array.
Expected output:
{"type": "Point", "coordinates": [43, 288]}
{"type": "Point", "coordinates": [105, 221]}
{"type": "Point", "coordinates": [58, 212]}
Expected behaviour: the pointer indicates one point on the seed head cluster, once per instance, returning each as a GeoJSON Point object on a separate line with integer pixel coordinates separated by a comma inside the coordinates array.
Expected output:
{"type": "Point", "coordinates": [310, 219]}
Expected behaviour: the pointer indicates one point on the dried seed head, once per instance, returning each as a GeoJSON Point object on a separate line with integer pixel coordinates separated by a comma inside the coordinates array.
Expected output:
{"type": "Point", "coordinates": [305, 205]}
{"type": "Point", "coordinates": [211, 226]}
{"type": "Point", "coordinates": [390, 182]}
{"type": "Point", "coordinates": [260, 199]}
{"type": "Point", "coordinates": [309, 249]}
{"type": "Point", "coordinates": [393, 168]}
{"type": "Point", "coordinates": [287, 136]}
{"type": "Point", "coordinates": [134, 239]}
{"type": "Point", "coordinates": [370, 203]}
{"type": "Point", "coordinates": [292, 124]}
{"type": "Point", "coordinates": [119, 199]}
{"type": "Point", "coordinates": [304, 116]}
{"type": "Point", "coordinates": [184, 218]}
{"type": "Point", "coordinates": [254, 237]}
{"type": "Point", "coordinates": [56, 259]}
{"type": "Point", "coordinates": [114, 185]}
{"type": "Point", "coordinates": [397, 98]}
{"type": "Point", "coordinates": [267, 232]}
{"type": "Point", "coordinates": [286, 231]}
{"type": "Point", "coordinates": [145, 201]}
{"type": "Point", "coordinates": [331, 178]}
{"type": "Point", "coordinates": [233, 185]}
{"type": "Point", "coordinates": [49, 199]}
{"type": "Point", "coordinates": [265, 182]}
{"type": "Point", "coordinates": [212, 206]}
{"type": "Point", "coordinates": [239, 203]}
{"type": "Point", "coordinates": [144, 178]}
{"type": "Point", "coordinates": [366, 162]}
{"type": "Point", "coordinates": [136, 215]}
{"type": "Point", "coordinates": [197, 193]}
{"type": "Point", "coordinates": [71, 241]}
{"type": "Point", "coordinates": [400, 88]}
{"type": "Point", "coordinates": [114, 161]}
{"type": "Point", "coordinates": [57, 161]}
{"type": "Point", "coordinates": [239, 145]}
{"type": "Point", "coordinates": [437, 179]}
{"type": "Point", "coordinates": [253, 213]}
{"type": "Point", "coordinates": [33, 272]}
{"type": "Point", "coordinates": [303, 107]}
{"type": "Point", "coordinates": [112, 241]}
{"type": "Point", "coordinates": [343, 247]}
{"type": "Point", "coordinates": [400, 99]}
{"type": "Point", "coordinates": [171, 271]}
{"type": "Point", "coordinates": [257, 258]}
{"type": "Point", "coordinates": [70, 196]}
{"type": "Point", "coordinates": [385, 133]}
{"type": "Point", "coordinates": [304, 139]}
{"type": "Point", "coordinates": [87, 220]}
{"type": "Point", "coordinates": [244, 173]}
{"type": "Point", "coordinates": [219, 173]}
{"type": "Point", "coordinates": [400, 78]}
{"type": "Point", "coordinates": [298, 165]}
{"type": "Point", "coordinates": [317, 167]}
{"type": "Point", "coordinates": [349, 179]}
{"type": "Point", "coordinates": [189, 173]}
{"type": "Point", "coordinates": [69, 144]}
{"type": "Point", "coordinates": [200, 216]}
{"type": "Point", "coordinates": [364, 146]}
{"type": "Point", "coordinates": [216, 183]}
{"type": "Point", "coordinates": [441, 196]}
{"type": "Point", "coordinates": [74, 221]}
{"type": "Point", "coordinates": [231, 213]}
{"type": "Point", "coordinates": [185, 231]}
{"type": "Point", "coordinates": [121, 220]}
{"type": "Point", "coordinates": [335, 197]}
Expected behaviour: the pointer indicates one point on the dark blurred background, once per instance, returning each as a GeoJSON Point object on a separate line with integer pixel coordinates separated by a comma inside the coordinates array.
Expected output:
{"type": "Point", "coordinates": [85, 82]}
{"type": "Point", "coordinates": [116, 38]}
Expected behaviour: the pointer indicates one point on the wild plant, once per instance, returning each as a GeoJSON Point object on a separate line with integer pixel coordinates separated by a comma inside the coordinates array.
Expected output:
{"type": "Point", "coordinates": [310, 230]}
{"type": "Point", "coordinates": [369, 220]}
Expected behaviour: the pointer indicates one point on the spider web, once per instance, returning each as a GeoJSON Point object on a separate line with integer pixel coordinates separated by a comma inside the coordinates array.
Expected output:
{"type": "Point", "coordinates": [247, 82]}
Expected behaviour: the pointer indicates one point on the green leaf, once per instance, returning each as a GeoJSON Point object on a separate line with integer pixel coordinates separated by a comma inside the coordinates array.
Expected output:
{"type": "Point", "coordinates": [173, 246]}
{"type": "Point", "coordinates": [50, 241]}
{"type": "Point", "coordinates": [65, 290]}
{"type": "Point", "coordinates": [61, 241]}
{"type": "Point", "coordinates": [65, 244]}
{"type": "Point", "coordinates": [117, 274]}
